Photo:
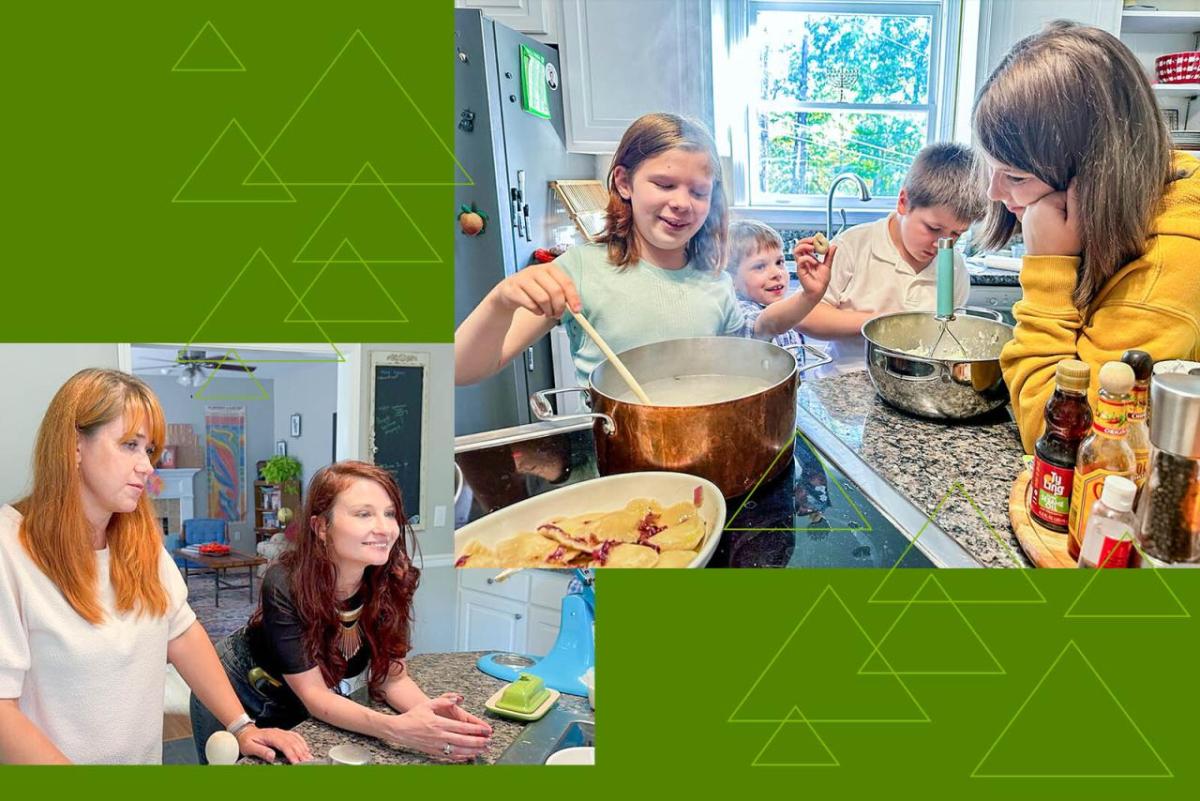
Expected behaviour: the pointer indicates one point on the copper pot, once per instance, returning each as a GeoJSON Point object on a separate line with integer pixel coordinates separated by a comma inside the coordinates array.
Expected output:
{"type": "Point", "coordinates": [732, 443]}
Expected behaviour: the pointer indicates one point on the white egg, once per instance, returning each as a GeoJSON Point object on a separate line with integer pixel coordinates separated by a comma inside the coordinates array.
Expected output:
{"type": "Point", "coordinates": [222, 749]}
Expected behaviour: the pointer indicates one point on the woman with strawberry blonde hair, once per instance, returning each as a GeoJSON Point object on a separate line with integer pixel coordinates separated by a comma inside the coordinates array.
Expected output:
{"type": "Point", "coordinates": [92, 608]}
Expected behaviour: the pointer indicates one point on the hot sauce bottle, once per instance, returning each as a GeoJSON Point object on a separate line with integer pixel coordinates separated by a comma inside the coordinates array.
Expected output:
{"type": "Point", "coordinates": [1105, 452]}
{"type": "Point", "coordinates": [1068, 420]}
{"type": "Point", "coordinates": [1139, 427]}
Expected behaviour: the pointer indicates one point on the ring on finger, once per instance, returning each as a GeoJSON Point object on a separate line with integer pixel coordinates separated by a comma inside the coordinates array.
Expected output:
{"type": "Point", "coordinates": [447, 749]}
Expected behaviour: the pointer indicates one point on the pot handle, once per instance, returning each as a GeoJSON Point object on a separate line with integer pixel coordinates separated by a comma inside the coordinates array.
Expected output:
{"type": "Point", "coordinates": [822, 357]}
{"type": "Point", "coordinates": [539, 403]}
{"type": "Point", "coordinates": [981, 311]}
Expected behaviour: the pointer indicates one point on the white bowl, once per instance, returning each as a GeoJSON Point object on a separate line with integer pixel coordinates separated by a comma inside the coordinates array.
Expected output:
{"type": "Point", "coordinates": [606, 494]}
{"type": "Point", "coordinates": [582, 755]}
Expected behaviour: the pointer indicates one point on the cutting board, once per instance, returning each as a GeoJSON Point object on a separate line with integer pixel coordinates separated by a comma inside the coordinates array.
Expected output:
{"type": "Point", "coordinates": [1044, 547]}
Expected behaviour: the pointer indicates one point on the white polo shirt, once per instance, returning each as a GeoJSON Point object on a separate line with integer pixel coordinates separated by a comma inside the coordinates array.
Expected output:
{"type": "Point", "coordinates": [870, 275]}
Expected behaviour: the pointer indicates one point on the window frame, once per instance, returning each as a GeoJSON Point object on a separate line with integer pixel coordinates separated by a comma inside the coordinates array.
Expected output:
{"type": "Point", "coordinates": [742, 120]}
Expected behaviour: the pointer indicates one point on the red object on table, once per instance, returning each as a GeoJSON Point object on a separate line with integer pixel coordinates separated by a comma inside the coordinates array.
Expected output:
{"type": "Point", "coordinates": [214, 549]}
{"type": "Point", "coordinates": [543, 256]}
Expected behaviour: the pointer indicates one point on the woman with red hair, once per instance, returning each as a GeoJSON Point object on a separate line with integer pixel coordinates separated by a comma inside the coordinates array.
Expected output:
{"type": "Point", "coordinates": [92, 608]}
{"type": "Point", "coordinates": [339, 603]}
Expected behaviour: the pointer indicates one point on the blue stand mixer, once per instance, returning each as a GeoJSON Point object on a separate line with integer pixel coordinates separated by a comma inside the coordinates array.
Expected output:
{"type": "Point", "coordinates": [574, 650]}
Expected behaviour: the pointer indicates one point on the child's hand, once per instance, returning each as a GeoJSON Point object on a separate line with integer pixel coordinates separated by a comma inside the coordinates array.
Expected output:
{"type": "Point", "coordinates": [1051, 225]}
{"type": "Point", "coordinates": [813, 273]}
{"type": "Point", "coordinates": [543, 289]}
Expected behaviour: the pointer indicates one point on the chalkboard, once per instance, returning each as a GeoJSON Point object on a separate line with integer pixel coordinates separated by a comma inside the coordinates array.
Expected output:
{"type": "Point", "coordinates": [398, 424]}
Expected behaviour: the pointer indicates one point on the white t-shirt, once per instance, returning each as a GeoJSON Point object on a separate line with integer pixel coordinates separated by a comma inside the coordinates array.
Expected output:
{"type": "Point", "coordinates": [870, 275]}
{"type": "Point", "coordinates": [95, 691]}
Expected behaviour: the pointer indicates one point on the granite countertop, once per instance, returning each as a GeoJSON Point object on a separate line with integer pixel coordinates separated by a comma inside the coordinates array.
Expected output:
{"type": "Point", "coordinates": [991, 276]}
{"type": "Point", "coordinates": [435, 674]}
{"type": "Point", "coordinates": [924, 459]}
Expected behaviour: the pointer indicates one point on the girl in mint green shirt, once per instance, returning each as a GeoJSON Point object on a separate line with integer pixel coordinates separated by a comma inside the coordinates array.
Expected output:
{"type": "Point", "coordinates": [656, 273]}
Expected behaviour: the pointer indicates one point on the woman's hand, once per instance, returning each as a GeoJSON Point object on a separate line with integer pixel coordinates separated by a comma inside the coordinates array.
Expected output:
{"type": "Point", "coordinates": [1051, 225]}
{"type": "Point", "coordinates": [257, 742]}
{"type": "Point", "coordinates": [543, 289]}
{"type": "Point", "coordinates": [430, 726]}
{"type": "Point", "coordinates": [813, 273]}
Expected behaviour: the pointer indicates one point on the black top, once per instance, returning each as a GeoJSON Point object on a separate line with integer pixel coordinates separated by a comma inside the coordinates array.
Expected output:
{"type": "Point", "coordinates": [277, 646]}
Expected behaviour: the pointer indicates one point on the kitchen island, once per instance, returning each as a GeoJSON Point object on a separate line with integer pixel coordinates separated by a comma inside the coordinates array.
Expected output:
{"type": "Point", "coordinates": [435, 674]}
{"type": "Point", "coordinates": [951, 472]}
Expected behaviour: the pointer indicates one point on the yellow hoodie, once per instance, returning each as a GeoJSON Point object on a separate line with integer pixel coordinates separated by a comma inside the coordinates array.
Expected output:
{"type": "Point", "coordinates": [1151, 304]}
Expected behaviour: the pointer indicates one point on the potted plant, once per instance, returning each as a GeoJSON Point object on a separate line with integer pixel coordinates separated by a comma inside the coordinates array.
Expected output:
{"type": "Point", "coordinates": [283, 470]}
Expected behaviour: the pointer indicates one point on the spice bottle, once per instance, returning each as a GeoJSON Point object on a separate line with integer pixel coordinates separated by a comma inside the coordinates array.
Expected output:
{"type": "Point", "coordinates": [1170, 503]}
{"type": "Point", "coordinates": [1105, 452]}
{"type": "Point", "coordinates": [1111, 526]}
{"type": "Point", "coordinates": [1139, 428]}
{"type": "Point", "coordinates": [1068, 420]}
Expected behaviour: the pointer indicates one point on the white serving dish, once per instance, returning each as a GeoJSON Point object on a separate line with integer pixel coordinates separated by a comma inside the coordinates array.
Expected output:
{"type": "Point", "coordinates": [606, 494]}
{"type": "Point", "coordinates": [582, 755]}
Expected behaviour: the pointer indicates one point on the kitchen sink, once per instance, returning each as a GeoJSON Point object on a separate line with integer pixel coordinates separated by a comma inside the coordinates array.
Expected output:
{"type": "Point", "coordinates": [559, 729]}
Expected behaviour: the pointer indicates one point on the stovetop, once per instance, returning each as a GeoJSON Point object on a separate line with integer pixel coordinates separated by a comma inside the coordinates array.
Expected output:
{"type": "Point", "coordinates": [810, 515]}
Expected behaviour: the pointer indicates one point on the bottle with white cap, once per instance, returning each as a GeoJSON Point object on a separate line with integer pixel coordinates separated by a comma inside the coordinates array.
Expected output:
{"type": "Point", "coordinates": [1111, 527]}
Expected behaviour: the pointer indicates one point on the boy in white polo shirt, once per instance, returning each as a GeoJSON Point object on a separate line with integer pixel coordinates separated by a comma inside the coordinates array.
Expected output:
{"type": "Point", "coordinates": [885, 266]}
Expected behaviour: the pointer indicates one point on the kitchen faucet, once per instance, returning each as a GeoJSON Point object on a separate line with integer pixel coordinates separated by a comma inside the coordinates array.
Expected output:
{"type": "Point", "coordinates": [863, 193]}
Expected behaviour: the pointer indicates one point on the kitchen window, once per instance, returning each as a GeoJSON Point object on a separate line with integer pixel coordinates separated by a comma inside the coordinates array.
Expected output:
{"type": "Point", "coordinates": [813, 89]}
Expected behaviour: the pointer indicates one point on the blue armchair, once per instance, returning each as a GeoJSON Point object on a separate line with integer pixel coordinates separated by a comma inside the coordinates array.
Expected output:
{"type": "Point", "coordinates": [197, 531]}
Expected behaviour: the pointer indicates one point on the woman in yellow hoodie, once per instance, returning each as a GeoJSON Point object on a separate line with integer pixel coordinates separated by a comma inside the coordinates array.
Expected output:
{"type": "Point", "coordinates": [1080, 157]}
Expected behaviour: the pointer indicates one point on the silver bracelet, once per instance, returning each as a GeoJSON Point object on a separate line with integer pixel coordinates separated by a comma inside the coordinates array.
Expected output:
{"type": "Point", "coordinates": [242, 722]}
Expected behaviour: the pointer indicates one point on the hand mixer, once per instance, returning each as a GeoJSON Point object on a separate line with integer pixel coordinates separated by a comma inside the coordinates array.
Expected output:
{"type": "Point", "coordinates": [945, 296]}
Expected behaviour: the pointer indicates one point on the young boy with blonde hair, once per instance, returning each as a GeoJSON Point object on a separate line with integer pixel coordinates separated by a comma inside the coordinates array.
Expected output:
{"type": "Point", "coordinates": [760, 279]}
{"type": "Point", "coordinates": [882, 266]}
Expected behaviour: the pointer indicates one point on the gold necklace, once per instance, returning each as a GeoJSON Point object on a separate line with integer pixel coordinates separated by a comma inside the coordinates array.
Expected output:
{"type": "Point", "coordinates": [349, 636]}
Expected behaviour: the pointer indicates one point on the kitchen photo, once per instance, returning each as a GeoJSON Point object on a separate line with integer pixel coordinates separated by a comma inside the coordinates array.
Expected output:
{"type": "Point", "coordinates": [242, 553]}
{"type": "Point", "coordinates": [777, 283]}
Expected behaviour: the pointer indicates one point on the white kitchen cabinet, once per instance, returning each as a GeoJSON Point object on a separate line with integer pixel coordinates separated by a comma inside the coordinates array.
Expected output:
{"type": "Point", "coordinates": [520, 614]}
{"type": "Point", "coordinates": [624, 58]}
{"type": "Point", "coordinates": [537, 18]}
{"type": "Point", "coordinates": [1003, 23]}
{"type": "Point", "coordinates": [491, 623]}
{"type": "Point", "coordinates": [1150, 34]}
{"type": "Point", "coordinates": [542, 630]}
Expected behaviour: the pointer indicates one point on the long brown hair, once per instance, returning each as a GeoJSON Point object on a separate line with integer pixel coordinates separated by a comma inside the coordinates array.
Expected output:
{"type": "Point", "coordinates": [648, 136]}
{"type": "Point", "coordinates": [1072, 103]}
{"type": "Point", "coordinates": [386, 620]}
{"type": "Point", "coordinates": [54, 527]}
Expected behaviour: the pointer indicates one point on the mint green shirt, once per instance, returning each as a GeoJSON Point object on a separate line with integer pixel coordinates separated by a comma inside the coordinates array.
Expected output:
{"type": "Point", "coordinates": [642, 303]}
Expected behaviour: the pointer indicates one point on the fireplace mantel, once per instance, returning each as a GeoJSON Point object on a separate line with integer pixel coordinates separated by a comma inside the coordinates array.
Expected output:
{"type": "Point", "coordinates": [178, 485]}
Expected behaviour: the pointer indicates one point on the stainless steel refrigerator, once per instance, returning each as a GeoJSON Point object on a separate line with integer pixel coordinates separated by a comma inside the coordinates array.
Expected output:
{"type": "Point", "coordinates": [512, 156]}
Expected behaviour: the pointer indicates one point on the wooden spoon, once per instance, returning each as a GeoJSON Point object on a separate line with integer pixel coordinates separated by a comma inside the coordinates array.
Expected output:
{"type": "Point", "coordinates": [612, 357]}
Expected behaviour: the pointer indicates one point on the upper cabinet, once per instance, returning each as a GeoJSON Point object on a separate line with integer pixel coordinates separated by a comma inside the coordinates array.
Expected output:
{"type": "Point", "coordinates": [537, 18]}
{"type": "Point", "coordinates": [1003, 23]}
{"type": "Point", "coordinates": [624, 58]}
{"type": "Point", "coordinates": [1150, 34]}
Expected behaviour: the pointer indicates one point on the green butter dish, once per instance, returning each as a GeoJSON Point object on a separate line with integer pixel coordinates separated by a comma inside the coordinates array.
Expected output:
{"type": "Point", "coordinates": [527, 698]}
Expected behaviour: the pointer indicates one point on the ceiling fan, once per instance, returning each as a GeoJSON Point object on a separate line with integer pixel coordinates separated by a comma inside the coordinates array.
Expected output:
{"type": "Point", "coordinates": [190, 366]}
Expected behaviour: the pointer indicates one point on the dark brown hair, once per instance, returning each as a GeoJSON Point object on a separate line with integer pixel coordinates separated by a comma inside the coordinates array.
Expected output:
{"type": "Point", "coordinates": [648, 136]}
{"type": "Point", "coordinates": [386, 620]}
{"type": "Point", "coordinates": [1072, 103]}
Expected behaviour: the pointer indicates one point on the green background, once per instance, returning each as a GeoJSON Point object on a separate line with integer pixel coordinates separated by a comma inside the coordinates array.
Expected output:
{"type": "Point", "coordinates": [101, 135]}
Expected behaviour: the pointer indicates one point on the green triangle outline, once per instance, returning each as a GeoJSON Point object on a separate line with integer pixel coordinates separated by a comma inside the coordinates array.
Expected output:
{"type": "Point", "coordinates": [829, 590]}
{"type": "Point", "coordinates": [300, 258]}
{"type": "Point", "coordinates": [208, 26]}
{"type": "Point", "coordinates": [798, 434]}
{"type": "Point", "coordinates": [346, 243]}
{"type": "Point", "coordinates": [263, 395]}
{"type": "Point", "coordinates": [340, 357]}
{"type": "Point", "coordinates": [233, 121]}
{"type": "Point", "coordinates": [975, 774]}
{"type": "Point", "coordinates": [1096, 574]}
{"type": "Point", "coordinates": [958, 487]}
{"type": "Point", "coordinates": [999, 671]}
{"type": "Point", "coordinates": [432, 130]}
{"type": "Point", "coordinates": [779, 730]}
